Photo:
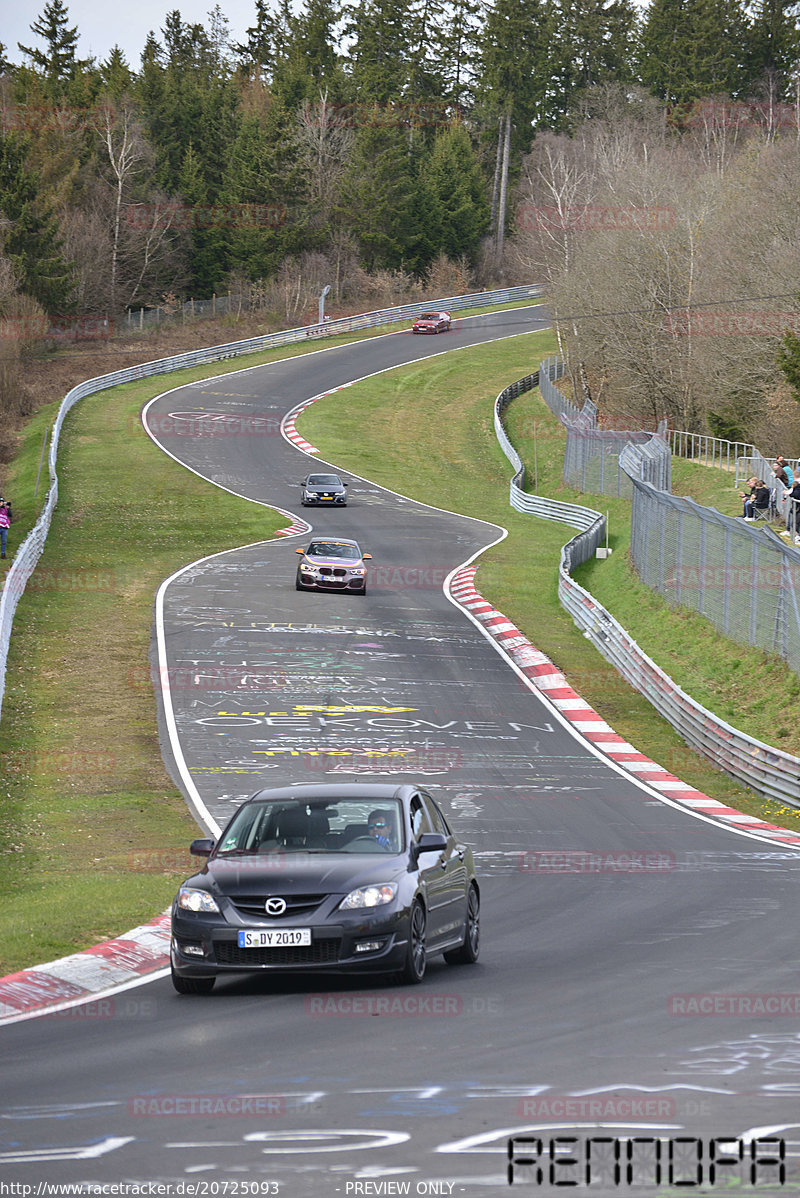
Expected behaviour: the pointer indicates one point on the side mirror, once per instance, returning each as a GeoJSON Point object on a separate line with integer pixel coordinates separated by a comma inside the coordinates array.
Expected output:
{"type": "Point", "coordinates": [367, 557]}
{"type": "Point", "coordinates": [299, 550]}
{"type": "Point", "coordinates": [345, 484]}
{"type": "Point", "coordinates": [201, 848]}
{"type": "Point", "coordinates": [431, 842]}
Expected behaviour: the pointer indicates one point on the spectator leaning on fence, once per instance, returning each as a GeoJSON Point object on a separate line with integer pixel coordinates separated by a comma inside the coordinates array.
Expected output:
{"type": "Point", "coordinates": [780, 475]}
{"type": "Point", "coordinates": [793, 513]}
{"type": "Point", "coordinates": [781, 460]}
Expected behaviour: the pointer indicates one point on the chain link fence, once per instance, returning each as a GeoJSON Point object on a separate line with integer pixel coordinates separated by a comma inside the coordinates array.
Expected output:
{"type": "Point", "coordinates": [592, 454]}
{"type": "Point", "coordinates": [741, 577]}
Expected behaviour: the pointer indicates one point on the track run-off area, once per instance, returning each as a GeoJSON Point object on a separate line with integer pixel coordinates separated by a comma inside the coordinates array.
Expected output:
{"type": "Point", "coordinates": [638, 979]}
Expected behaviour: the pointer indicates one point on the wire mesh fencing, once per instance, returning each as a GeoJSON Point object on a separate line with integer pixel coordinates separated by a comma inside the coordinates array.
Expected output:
{"type": "Point", "coordinates": [741, 577]}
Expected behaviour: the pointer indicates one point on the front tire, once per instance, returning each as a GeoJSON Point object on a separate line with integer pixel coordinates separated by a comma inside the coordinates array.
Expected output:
{"type": "Point", "coordinates": [413, 971]}
{"type": "Point", "coordinates": [467, 953]}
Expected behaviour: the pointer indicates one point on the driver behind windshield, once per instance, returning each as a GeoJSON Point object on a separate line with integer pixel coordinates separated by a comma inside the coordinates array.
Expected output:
{"type": "Point", "coordinates": [380, 826]}
{"type": "Point", "coordinates": [330, 549]}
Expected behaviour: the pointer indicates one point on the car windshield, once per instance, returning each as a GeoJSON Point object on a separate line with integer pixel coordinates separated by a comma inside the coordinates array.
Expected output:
{"type": "Point", "coordinates": [333, 549]}
{"type": "Point", "coordinates": [429, 316]}
{"type": "Point", "coordinates": [323, 480]}
{"type": "Point", "coordinates": [344, 825]}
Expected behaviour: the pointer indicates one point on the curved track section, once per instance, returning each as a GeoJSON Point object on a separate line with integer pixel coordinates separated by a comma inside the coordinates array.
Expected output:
{"type": "Point", "coordinates": [638, 972]}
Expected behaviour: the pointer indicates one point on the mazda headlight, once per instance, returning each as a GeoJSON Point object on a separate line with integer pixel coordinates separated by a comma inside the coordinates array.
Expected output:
{"type": "Point", "coordinates": [369, 896]}
{"type": "Point", "coordinates": [190, 899]}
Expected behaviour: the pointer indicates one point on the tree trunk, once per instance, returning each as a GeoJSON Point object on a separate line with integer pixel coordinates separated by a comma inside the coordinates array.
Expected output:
{"type": "Point", "coordinates": [496, 184]}
{"type": "Point", "coordinates": [501, 215]}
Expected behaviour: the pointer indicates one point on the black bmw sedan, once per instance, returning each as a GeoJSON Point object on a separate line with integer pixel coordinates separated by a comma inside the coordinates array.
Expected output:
{"type": "Point", "coordinates": [344, 877]}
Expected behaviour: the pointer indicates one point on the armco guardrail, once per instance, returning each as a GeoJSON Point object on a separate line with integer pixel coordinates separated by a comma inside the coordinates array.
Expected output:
{"type": "Point", "coordinates": [592, 524]}
{"type": "Point", "coordinates": [766, 770]}
{"type": "Point", "coordinates": [31, 549]}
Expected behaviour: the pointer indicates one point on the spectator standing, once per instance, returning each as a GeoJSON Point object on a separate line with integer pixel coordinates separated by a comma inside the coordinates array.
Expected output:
{"type": "Point", "coordinates": [5, 523]}
{"type": "Point", "coordinates": [793, 514]}
{"type": "Point", "coordinates": [786, 468]}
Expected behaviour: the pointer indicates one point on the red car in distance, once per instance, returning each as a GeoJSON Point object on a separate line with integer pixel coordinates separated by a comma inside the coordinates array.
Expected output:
{"type": "Point", "coordinates": [432, 322]}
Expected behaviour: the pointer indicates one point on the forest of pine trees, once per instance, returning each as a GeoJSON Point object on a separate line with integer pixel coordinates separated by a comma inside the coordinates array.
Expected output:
{"type": "Point", "coordinates": [347, 139]}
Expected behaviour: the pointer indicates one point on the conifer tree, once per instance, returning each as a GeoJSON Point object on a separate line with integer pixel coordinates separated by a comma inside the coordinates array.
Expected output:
{"type": "Point", "coordinates": [115, 73]}
{"type": "Point", "coordinates": [380, 55]}
{"type": "Point", "coordinates": [694, 48]}
{"type": "Point", "coordinates": [57, 61]}
{"type": "Point", "coordinates": [774, 46]}
{"type": "Point", "coordinates": [261, 189]}
{"type": "Point", "coordinates": [30, 231]}
{"type": "Point", "coordinates": [456, 49]}
{"type": "Point", "coordinates": [596, 39]}
{"type": "Point", "coordinates": [380, 201]}
{"type": "Point", "coordinates": [456, 191]}
{"type": "Point", "coordinates": [210, 243]}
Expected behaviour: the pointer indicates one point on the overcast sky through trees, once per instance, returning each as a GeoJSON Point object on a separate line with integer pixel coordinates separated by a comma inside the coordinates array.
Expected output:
{"type": "Point", "coordinates": [101, 25]}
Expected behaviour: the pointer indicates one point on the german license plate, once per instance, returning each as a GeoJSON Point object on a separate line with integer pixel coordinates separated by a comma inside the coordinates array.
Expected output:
{"type": "Point", "coordinates": [274, 938]}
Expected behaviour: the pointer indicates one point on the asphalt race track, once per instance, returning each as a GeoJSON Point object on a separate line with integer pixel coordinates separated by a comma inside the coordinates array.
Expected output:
{"type": "Point", "coordinates": [649, 992]}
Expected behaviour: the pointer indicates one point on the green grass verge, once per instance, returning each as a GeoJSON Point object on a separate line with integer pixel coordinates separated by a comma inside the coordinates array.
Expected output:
{"type": "Point", "coordinates": [93, 833]}
{"type": "Point", "coordinates": [427, 431]}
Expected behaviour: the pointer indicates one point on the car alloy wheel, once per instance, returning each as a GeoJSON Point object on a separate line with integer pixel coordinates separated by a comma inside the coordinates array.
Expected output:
{"type": "Point", "coordinates": [416, 957]}
{"type": "Point", "coordinates": [467, 952]}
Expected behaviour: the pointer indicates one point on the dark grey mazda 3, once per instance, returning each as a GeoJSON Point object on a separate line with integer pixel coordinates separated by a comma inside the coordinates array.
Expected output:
{"type": "Point", "coordinates": [365, 877]}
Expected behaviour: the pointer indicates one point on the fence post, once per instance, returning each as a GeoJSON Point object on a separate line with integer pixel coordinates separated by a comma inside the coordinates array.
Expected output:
{"type": "Point", "coordinates": [754, 590]}
{"type": "Point", "coordinates": [726, 591]}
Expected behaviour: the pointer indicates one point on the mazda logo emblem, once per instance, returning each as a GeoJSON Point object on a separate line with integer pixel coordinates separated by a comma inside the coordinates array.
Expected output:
{"type": "Point", "coordinates": [275, 906]}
